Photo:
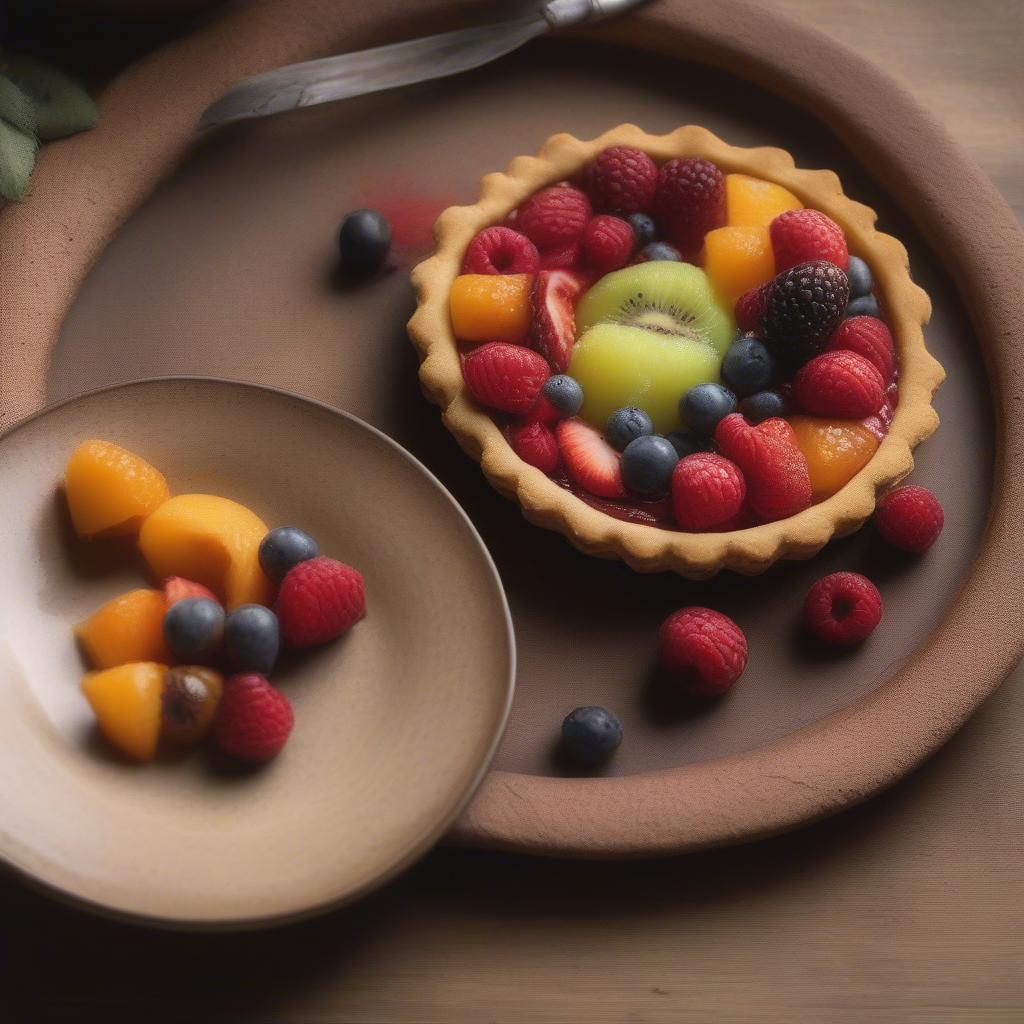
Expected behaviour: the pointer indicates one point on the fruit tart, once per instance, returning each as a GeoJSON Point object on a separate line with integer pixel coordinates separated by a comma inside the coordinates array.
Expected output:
{"type": "Point", "coordinates": [677, 352]}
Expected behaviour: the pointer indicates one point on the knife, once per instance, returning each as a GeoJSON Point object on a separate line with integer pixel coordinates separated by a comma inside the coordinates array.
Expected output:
{"type": "Point", "coordinates": [387, 67]}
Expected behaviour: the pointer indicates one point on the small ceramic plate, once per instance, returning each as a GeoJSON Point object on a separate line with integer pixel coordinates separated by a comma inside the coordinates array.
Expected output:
{"type": "Point", "coordinates": [395, 725]}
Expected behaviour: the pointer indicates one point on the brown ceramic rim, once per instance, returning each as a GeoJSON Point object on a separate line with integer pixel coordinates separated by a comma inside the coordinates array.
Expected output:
{"type": "Point", "coordinates": [86, 187]}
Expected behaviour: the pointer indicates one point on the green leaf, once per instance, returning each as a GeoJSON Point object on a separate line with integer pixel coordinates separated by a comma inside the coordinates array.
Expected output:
{"type": "Point", "coordinates": [17, 158]}
{"type": "Point", "coordinates": [16, 107]}
{"type": "Point", "coordinates": [63, 107]}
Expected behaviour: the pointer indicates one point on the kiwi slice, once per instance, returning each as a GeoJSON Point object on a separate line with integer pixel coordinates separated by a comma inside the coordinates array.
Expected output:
{"type": "Point", "coordinates": [666, 297]}
{"type": "Point", "coordinates": [62, 106]}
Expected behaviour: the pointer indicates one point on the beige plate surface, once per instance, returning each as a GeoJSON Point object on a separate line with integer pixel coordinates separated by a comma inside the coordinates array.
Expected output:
{"type": "Point", "coordinates": [392, 734]}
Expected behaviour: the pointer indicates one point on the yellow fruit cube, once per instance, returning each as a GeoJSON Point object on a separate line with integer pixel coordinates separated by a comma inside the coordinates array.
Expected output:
{"type": "Point", "coordinates": [491, 307]}
{"type": "Point", "coordinates": [129, 628]}
{"type": "Point", "coordinates": [127, 702]}
{"type": "Point", "coordinates": [754, 202]}
{"type": "Point", "coordinates": [737, 259]}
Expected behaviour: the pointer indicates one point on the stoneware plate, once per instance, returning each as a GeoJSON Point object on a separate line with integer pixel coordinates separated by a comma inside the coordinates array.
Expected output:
{"type": "Point", "coordinates": [392, 733]}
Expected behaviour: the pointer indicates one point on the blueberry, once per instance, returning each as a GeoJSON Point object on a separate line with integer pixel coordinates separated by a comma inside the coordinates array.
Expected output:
{"type": "Point", "coordinates": [705, 405]}
{"type": "Point", "coordinates": [647, 464]}
{"type": "Point", "coordinates": [564, 393]}
{"type": "Point", "coordinates": [591, 734]}
{"type": "Point", "coordinates": [252, 638]}
{"type": "Point", "coordinates": [643, 227]}
{"type": "Point", "coordinates": [627, 424]}
{"type": "Point", "coordinates": [866, 305]}
{"type": "Point", "coordinates": [748, 366]}
{"type": "Point", "coordinates": [364, 241]}
{"type": "Point", "coordinates": [660, 251]}
{"type": "Point", "coordinates": [193, 629]}
{"type": "Point", "coordinates": [686, 442]}
{"type": "Point", "coordinates": [282, 549]}
{"type": "Point", "coordinates": [859, 274]}
{"type": "Point", "coordinates": [763, 406]}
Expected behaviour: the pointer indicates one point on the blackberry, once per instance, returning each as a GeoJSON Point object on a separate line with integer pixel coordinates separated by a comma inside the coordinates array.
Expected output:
{"type": "Point", "coordinates": [804, 306]}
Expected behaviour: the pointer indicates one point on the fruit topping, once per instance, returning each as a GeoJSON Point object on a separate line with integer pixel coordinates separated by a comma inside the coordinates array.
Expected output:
{"type": "Point", "coordinates": [738, 259]}
{"type": "Point", "coordinates": [764, 405]}
{"type": "Point", "coordinates": [835, 452]}
{"type": "Point", "coordinates": [177, 588]}
{"type": "Point", "coordinates": [252, 639]}
{"type": "Point", "coordinates": [319, 600]}
{"type": "Point", "coordinates": [500, 250]}
{"type": "Point", "coordinates": [909, 518]}
{"type": "Point", "coordinates": [591, 734]}
{"type": "Point", "coordinates": [748, 367]}
{"type": "Point", "coordinates": [589, 459]}
{"type": "Point", "coordinates": [801, 236]}
{"type": "Point", "coordinates": [535, 444]}
{"type": "Point", "coordinates": [554, 217]}
{"type": "Point", "coordinates": [704, 406]}
{"type": "Point", "coordinates": [194, 629]}
{"type": "Point", "coordinates": [861, 281]}
{"type": "Point", "coordinates": [128, 628]}
{"type": "Point", "coordinates": [804, 305]}
{"type": "Point", "coordinates": [755, 202]}
{"type": "Point", "coordinates": [868, 337]}
{"type": "Point", "coordinates": [189, 702]}
{"type": "Point", "coordinates": [364, 241]}
{"type": "Point", "coordinates": [626, 425]}
{"type": "Point", "coordinates": [647, 464]}
{"type": "Point", "coordinates": [506, 377]}
{"type": "Point", "coordinates": [254, 720]}
{"type": "Point", "coordinates": [491, 307]}
{"type": "Point", "coordinates": [659, 251]}
{"type": "Point", "coordinates": [608, 243]}
{"type": "Point", "coordinates": [686, 442]}
{"type": "Point", "coordinates": [644, 228]}
{"type": "Point", "coordinates": [566, 257]}
{"type": "Point", "coordinates": [689, 201]}
{"type": "Point", "coordinates": [704, 648]}
{"type": "Point", "coordinates": [865, 305]}
{"type": "Point", "coordinates": [841, 384]}
{"type": "Point", "coordinates": [843, 609]}
{"type": "Point", "coordinates": [282, 549]}
{"type": "Point", "coordinates": [553, 305]}
{"type": "Point", "coordinates": [750, 308]}
{"type": "Point", "coordinates": [708, 492]}
{"type": "Point", "coordinates": [621, 180]}
{"type": "Point", "coordinates": [564, 393]}
{"type": "Point", "coordinates": [127, 703]}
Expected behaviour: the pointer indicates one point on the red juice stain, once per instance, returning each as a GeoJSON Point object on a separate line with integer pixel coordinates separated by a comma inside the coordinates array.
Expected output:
{"type": "Point", "coordinates": [411, 214]}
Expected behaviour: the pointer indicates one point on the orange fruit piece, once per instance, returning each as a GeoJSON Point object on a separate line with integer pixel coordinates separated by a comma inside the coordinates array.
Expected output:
{"type": "Point", "coordinates": [129, 628]}
{"type": "Point", "coordinates": [737, 259]}
{"type": "Point", "coordinates": [491, 307]}
{"type": "Point", "coordinates": [127, 703]}
{"type": "Point", "coordinates": [209, 540]}
{"type": "Point", "coordinates": [110, 490]}
{"type": "Point", "coordinates": [755, 202]}
{"type": "Point", "coordinates": [836, 450]}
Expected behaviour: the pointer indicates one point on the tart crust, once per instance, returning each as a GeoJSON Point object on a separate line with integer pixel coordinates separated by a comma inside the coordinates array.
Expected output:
{"type": "Point", "coordinates": [650, 548]}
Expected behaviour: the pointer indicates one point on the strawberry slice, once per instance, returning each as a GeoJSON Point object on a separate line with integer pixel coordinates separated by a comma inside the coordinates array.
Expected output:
{"type": "Point", "coordinates": [177, 588]}
{"type": "Point", "coordinates": [590, 460]}
{"type": "Point", "coordinates": [553, 330]}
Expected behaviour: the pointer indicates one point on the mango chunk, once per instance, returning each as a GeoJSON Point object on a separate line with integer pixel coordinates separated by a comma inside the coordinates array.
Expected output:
{"type": "Point", "coordinates": [127, 703]}
{"type": "Point", "coordinates": [755, 202]}
{"type": "Point", "coordinates": [737, 259]}
{"type": "Point", "coordinates": [129, 628]}
{"type": "Point", "coordinates": [491, 307]}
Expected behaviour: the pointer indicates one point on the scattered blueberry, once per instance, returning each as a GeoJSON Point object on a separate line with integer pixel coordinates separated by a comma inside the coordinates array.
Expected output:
{"type": "Point", "coordinates": [627, 424]}
{"type": "Point", "coordinates": [193, 629]}
{"type": "Point", "coordinates": [364, 241]}
{"type": "Point", "coordinates": [865, 305]}
{"type": "Point", "coordinates": [660, 251]}
{"type": "Point", "coordinates": [591, 734]}
{"type": "Point", "coordinates": [643, 228]}
{"type": "Point", "coordinates": [748, 366]}
{"type": "Point", "coordinates": [282, 549]}
{"type": "Point", "coordinates": [859, 274]}
{"type": "Point", "coordinates": [252, 638]}
{"type": "Point", "coordinates": [763, 406]}
{"type": "Point", "coordinates": [647, 464]}
{"type": "Point", "coordinates": [564, 393]}
{"type": "Point", "coordinates": [686, 442]}
{"type": "Point", "coordinates": [704, 405]}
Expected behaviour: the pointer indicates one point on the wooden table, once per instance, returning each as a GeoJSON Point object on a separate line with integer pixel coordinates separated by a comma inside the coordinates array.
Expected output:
{"type": "Point", "coordinates": [908, 909]}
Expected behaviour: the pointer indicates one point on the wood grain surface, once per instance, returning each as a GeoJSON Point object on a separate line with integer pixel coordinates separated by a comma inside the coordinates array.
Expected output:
{"type": "Point", "coordinates": [907, 909]}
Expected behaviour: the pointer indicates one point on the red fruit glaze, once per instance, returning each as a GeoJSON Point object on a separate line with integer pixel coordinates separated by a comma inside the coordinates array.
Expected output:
{"type": "Point", "coordinates": [842, 609]}
{"type": "Point", "coordinates": [319, 600]}
{"type": "Point", "coordinates": [553, 328]}
{"type": "Point", "coordinates": [505, 376]}
{"type": "Point", "coordinates": [608, 243]}
{"type": "Point", "coordinates": [750, 308]}
{"type": "Point", "coordinates": [909, 518]}
{"type": "Point", "coordinates": [500, 250]}
{"type": "Point", "coordinates": [839, 384]}
{"type": "Point", "coordinates": [706, 648]}
{"type": "Point", "coordinates": [868, 337]}
{"type": "Point", "coordinates": [621, 179]}
{"type": "Point", "coordinates": [554, 217]}
{"type": "Point", "coordinates": [689, 202]}
{"type": "Point", "coordinates": [535, 444]}
{"type": "Point", "coordinates": [253, 719]}
{"type": "Point", "coordinates": [568, 257]}
{"type": "Point", "coordinates": [589, 459]}
{"type": "Point", "coordinates": [799, 236]}
{"type": "Point", "coordinates": [707, 492]}
{"type": "Point", "coordinates": [544, 412]}
{"type": "Point", "coordinates": [177, 588]}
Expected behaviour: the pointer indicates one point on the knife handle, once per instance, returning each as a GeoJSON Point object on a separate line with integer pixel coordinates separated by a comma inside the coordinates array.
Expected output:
{"type": "Point", "coordinates": [559, 13]}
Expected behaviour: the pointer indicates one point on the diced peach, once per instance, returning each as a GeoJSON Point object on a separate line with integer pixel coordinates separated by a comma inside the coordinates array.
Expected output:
{"type": "Point", "coordinates": [737, 259]}
{"type": "Point", "coordinates": [491, 307]}
{"type": "Point", "coordinates": [212, 541]}
{"type": "Point", "coordinates": [110, 490]}
{"type": "Point", "coordinates": [127, 703]}
{"type": "Point", "coordinates": [755, 202]}
{"type": "Point", "coordinates": [836, 450]}
{"type": "Point", "coordinates": [129, 628]}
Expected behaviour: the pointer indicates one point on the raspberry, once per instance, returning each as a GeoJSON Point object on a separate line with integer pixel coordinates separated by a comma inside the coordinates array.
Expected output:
{"type": "Point", "coordinates": [535, 444]}
{"type": "Point", "coordinates": [500, 250]}
{"type": "Point", "coordinates": [706, 648]}
{"type": "Point", "coordinates": [690, 201]}
{"type": "Point", "coordinates": [799, 236]}
{"type": "Point", "coordinates": [750, 308]}
{"type": "Point", "coordinates": [707, 492]}
{"type": "Point", "coordinates": [909, 518]}
{"type": "Point", "coordinates": [253, 719]}
{"type": "Point", "coordinates": [568, 257]}
{"type": "Point", "coordinates": [843, 608]}
{"type": "Point", "coordinates": [554, 217]}
{"type": "Point", "coordinates": [319, 600]}
{"type": "Point", "coordinates": [868, 337]}
{"type": "Point", "coordinates": [840, 384]}
{"type": "Point", "coordinates": [608, 243]}
{"type": "Point", "coordinates": [505, 376]}
{"type": "Point", "coordinates": [803, 307]}
{"type": "Point", "coordinates": [621, 179]}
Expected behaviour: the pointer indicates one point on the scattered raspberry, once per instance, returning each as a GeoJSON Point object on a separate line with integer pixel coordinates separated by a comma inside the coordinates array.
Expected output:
{"type": "Point", "coordinates": [554, 217]}
{"type": "Point", "coordinates": [608, 243]}
{"type": "Point", "coordinates": [868, 337]}
{"type": "Point", "coordinates": [553, 328]}
{"type": "Point", "coordinates": [840, 384]}
{"type": "Point", "coordinates": [568, 257]}
{"type": "Point", "coordinates": [253, 719]}
{"type": "Point", "coordinates": [500, 250]}
{"type": "Point", "coordinates": [621, 179]}
{"type": "Point", "coordinates": [319, 600]}
{"type": "Point", "coordinates": [535, 444]}
{"type": "Point", "coordinates": [909, 518]}
{"type": "Point", "coordinates": [177, 588]}
{"type": "Point", "coordinates": [843, 609]}
{"type": "Point", "coordinates": [505, 376]}
{"type": "Point", "coordinates": [804, 305]}
{"type": "Point", "coordinates": [778, 481]}
{"type": "Point", "coordinates": [707, 492]}
{"type": "Point", "coordinates": [750, 308]}
{"type": "Point", "coordinates": [705, 647]}
{"type": "Point", "coordinates": [689, 202]}
{"type": "Point", "coordinates": [590, 460]}
{"type": "Point", "coordinates": [799, 236]}
{"type": "Point", "coordinates": [544, 412]}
